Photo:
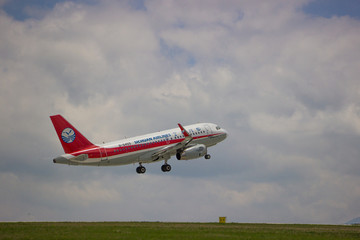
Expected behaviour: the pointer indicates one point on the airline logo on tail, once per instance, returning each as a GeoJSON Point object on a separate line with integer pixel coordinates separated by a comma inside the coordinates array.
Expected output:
{"type": "Point", "coordinates": [68, 135]}
{"type": "Point", "coordinates": [71, 139]}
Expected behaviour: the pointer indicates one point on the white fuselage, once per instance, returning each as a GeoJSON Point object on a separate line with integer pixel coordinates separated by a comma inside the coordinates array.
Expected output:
{"type": "Point", "coordinates": [145, 148]}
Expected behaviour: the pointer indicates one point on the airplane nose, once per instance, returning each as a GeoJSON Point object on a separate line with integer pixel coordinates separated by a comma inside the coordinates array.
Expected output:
{"type": "Point", "coordinates": [225, 133]}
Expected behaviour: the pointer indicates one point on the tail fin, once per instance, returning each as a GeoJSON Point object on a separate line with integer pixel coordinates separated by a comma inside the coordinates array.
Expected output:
{"type": "Point", "coordinates": [71, 139]}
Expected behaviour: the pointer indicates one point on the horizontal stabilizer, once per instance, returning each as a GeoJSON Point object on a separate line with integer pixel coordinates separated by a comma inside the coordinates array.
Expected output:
{"type": "Point", "coordinates": [80, 158]}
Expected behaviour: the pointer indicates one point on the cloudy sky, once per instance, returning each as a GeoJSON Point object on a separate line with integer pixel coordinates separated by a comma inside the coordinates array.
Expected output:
{"type": "Point", "coordinates": [281, 76]}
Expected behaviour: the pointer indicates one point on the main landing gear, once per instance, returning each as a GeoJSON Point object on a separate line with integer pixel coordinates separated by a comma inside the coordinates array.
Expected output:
{"type": "Point", "coordinates": [165, 168]}
{"type": "Point", "coordinates": [141, 169]}
{"type": "Point", "coordinates": [207, 156]}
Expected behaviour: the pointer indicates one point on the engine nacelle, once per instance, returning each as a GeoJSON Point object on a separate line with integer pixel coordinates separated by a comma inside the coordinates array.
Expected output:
{"type": "Point", "coordinates": [192, 152]}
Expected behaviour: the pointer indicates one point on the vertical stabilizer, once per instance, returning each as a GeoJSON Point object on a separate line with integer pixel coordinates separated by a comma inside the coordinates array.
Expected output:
{"type": "Point", "coordinates": [71, 139]}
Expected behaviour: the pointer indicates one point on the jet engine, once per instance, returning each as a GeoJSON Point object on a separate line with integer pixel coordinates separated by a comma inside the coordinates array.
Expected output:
{"type": "Point", "coordinates": [192, 152]}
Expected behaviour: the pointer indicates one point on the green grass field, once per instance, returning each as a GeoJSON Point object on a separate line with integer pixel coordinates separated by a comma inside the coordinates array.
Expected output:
{"type": "Point", "coordinates": [180, 231]}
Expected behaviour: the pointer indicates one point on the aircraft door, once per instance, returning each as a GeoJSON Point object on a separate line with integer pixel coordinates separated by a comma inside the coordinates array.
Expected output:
{"type": "Point", "coordinates": [167, 139]}
{"type": "Point", "coordinates": [103, 154]}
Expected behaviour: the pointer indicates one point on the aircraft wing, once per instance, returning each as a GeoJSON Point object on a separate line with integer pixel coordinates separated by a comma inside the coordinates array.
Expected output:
{"type": "Point", "coordinates": [166, 151]}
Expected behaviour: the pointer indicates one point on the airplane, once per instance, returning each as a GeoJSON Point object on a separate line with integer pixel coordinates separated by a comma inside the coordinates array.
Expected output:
{"type": "Point", "coordinates": [186, 143]}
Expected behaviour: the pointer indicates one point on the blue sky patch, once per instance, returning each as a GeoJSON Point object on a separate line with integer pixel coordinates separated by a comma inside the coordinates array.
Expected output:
{"type": "Point", "coordinates": [330, 8]}
{"type": "Point", "coordinates": [21, 10]}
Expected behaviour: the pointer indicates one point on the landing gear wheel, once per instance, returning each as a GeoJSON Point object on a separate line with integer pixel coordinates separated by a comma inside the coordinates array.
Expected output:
{"type": "Point", "coordinates": [166, 168]}
{"type": "Point", "coordinates": [207, 156]}
{"type": "Point", "coordinates": [140, 169]}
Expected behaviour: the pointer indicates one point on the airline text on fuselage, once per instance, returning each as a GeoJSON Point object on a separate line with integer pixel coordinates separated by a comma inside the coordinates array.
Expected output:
{"type": "Point", "coordinates": [145, 140]}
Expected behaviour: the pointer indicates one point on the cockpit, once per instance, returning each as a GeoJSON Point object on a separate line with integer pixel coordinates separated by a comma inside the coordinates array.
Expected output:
{"type": "Point", "coordinates": [220, 132]}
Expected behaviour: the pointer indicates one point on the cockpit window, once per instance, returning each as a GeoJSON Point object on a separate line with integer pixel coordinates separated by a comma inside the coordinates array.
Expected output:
{"type": "Point", "coordinates": [218, 128]}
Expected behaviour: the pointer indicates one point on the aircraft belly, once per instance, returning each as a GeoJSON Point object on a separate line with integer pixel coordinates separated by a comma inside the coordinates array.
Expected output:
{"type": "Point", "coordinates": [121, 160]}
{"type": "Point", "coordinates": [147, 157]}
{"type": "Point", "coordinates": [125, 159]}
{"type": "Point", "coordinates": [212, 140]}
{"type": "Point", "coordinates": [206, 141]}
